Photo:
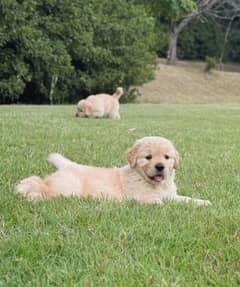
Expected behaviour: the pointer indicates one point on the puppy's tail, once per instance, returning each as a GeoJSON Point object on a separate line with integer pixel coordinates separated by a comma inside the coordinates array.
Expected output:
{"type": "Point", "coordinates": [118, 93]}
{"type": "Point", "coordinates": [58, 161]}
{"type": "Point", "coordinates": [34, 188]}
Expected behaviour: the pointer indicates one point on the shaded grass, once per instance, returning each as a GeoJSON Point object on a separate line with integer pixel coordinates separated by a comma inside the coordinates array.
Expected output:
{"type": "Point", "coordinates": [75, 242]}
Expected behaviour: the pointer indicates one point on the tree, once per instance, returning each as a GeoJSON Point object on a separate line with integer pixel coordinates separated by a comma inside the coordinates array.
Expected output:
{"type": "Point", "coordinates": [29, 57]}
{"type": "Point", "coordinates": [201, 39]}
{"type": "Point", "coordinates": [203, 10]}
{"type": "Point", "coordinates": [179, 13]}
{"type": "Point", "coordinates": [120, 49]}
{"type": "Point", "coordinates": [232, 50]}
{"type": "Point", "coordinates": [226, 37]}
{"type": "Point", "coordinates": [53, 51]}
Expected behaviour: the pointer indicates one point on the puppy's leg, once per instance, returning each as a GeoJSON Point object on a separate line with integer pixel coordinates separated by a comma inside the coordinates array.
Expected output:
{"type": "Point", "coordinates": [97, 114]}
{"type": "Point", "coordinates": [181, 198]}
{"type": "Point", "coordinates": [80, 114]}
{"type": "Point", "coordinates": [34, 188]}
{"type": "Point", "coordinates": [115, 116]}
{"type": "Point", "coordinates": [151, 201]}
{"type": "Point", "coordinates": [146, 199]}
{"type": "Point", "coordinates": [58, 161]}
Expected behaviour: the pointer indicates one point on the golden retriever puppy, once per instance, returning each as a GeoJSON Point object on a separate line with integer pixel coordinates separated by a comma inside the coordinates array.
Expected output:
{"type": "Point", "coordinates": [101, 105]}
{"type": "Point", "coordinates": [148, 177]}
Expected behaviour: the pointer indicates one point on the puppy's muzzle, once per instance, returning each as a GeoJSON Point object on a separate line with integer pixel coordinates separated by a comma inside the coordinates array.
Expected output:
{"type": "Point", "coordinates": [159, 176]}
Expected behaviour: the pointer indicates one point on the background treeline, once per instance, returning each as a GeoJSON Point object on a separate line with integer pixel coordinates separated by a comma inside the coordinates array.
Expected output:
{"type": "Point", "coordinates": [57, 51]}
{"type": "Point", "coordinates": [61, 50]}
{"type": "Point", "coordinates": [200, 40]}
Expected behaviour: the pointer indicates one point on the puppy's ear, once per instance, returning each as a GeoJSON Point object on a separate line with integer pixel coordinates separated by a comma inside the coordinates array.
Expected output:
{"type": "Point", "coordinates": [176, 159]}
{"type": "Point", "coordinates": [86, 107]}
{"type": "Point", "coordinates": [81, 105]}
{"type": "Point", "coordinates": [132, 155]}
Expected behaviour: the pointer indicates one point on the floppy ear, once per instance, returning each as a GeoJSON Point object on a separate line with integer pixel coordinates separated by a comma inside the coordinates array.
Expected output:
{"type": "Point", "coordinates": [176, 159]}
{"type": "Point", "coordinates": [85, 106]}
{"type": "Point", "coordinates": [132, 155]}
{"type": "Point", "coordinates": [88, 108]}
{"type": "Point", "coordinates": [81, 105]}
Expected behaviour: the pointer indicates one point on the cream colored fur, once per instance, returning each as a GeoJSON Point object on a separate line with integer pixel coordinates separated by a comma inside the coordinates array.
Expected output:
{"type": "Point", "coordinates": [101, 105]}
{"type": "Point", "coordinates": [140, 180]}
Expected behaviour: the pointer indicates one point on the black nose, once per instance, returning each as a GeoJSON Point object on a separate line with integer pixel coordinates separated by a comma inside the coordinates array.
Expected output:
{"type": "Point", "coordinates": [159, 167]}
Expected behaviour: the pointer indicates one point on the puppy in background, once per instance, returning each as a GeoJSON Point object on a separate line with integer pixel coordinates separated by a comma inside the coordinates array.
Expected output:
{"type": "Point", "coordinates": [149, 177]}
{"type": "Point", "coordinates": [100, 105]}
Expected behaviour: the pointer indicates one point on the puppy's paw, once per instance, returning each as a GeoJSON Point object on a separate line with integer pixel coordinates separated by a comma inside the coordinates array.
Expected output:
{"type": "Point", "coordinates": [150, 201]}
{"type": "Point", "coordinates": [201, 202]}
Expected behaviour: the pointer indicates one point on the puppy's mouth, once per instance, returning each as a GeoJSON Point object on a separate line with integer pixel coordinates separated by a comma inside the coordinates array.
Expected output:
{"type": "Point", "coordinates": [157, 178]}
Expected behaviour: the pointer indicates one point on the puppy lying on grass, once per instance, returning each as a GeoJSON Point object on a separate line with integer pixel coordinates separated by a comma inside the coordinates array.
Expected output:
{"type": "Point", "coordinates": [101, 105]}
{"type": "Point", "coordinates": [148, 177]}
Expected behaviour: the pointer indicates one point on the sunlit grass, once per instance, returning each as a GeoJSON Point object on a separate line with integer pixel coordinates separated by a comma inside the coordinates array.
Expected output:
{"type": "Point", "coordinates": [74, 242]}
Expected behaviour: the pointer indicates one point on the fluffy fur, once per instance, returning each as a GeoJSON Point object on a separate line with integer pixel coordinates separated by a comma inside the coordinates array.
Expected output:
{"type": "Point", "coordinates": [148, 177]}
{"type": "Point", "coordinates": [101, 105]}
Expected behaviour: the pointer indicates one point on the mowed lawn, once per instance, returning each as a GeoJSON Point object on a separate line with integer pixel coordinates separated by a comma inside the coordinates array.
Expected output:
{"type": "Point", "coordinates": [79, 242]}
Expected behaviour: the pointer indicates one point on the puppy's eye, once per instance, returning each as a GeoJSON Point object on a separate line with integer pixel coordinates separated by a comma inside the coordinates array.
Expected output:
{"type": "Point", "coordinates": [148, 157]}
{"type": "Point", "coordinates": [167, 156]}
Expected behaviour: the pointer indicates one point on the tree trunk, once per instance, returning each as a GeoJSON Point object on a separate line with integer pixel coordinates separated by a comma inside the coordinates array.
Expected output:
{"type": "Point", "coordinates": [53, 84]}
{"type": "Point", "coordinates": [175, 29]}
{"type": "Point", "coordinates": [206, 8]}
{"type": "Point", "coordinates": [172, 49]}
{"type": "Point", "coordinates": [228, 30]}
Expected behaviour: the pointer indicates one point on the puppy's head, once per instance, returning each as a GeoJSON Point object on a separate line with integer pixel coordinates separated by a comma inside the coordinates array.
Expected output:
{"type": "Point", "coordinates": [84, 108]}
{"type": "Point", "coordinates": [155, 158]}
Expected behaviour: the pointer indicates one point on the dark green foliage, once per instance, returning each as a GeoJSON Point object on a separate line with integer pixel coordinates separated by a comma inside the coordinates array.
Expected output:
{"type": "Point", "coordinates": [121, 48]}
{"type": "Point", "coordinates": [211, 64]}
{"type": "Point", "coordinates": [201, 39]}
{"type": "Point", "coordinates": [60, 51]}
{"type": "Point", "coordinates": [130, 95]}
{"type": "Point", "coordinates": [29, 56]}
{"type": "Point", "coordinates": [168, 10]}
{"type": "Point", "coordinates": [198, 37]}
{"type": "Point", "coordinates": [233, 47]}
{"type": "Point", "coordinates": [55, 51]}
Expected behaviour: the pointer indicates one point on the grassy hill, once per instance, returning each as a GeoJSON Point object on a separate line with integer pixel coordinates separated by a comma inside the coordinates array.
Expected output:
{"type": "Point", "coordinates": [188, 83]}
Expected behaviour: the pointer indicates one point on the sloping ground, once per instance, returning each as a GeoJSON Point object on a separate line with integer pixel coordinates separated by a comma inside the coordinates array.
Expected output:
{"type": "Point", "coordinates": [188, 83]}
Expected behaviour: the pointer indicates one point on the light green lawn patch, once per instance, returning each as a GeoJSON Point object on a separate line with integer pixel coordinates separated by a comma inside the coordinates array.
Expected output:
{"type": "Point", "coordinates": [76, 242]}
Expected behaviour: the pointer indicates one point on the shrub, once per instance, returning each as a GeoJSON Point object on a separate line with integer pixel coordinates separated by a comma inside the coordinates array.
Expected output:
{"type": "Point", "coordinates": [130, 95]}
{"type": "Point", "coordinates": [211, 64]}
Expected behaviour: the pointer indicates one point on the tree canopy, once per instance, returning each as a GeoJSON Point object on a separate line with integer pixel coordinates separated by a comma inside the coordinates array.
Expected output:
{"type": "Point", "coordinates": [55, 51]}
{"type": "Point", "coordinates": [61, 50]}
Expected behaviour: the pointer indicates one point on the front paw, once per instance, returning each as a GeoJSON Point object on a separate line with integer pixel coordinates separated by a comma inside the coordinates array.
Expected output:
{"type": "Point", "coordinates": [200, 202]}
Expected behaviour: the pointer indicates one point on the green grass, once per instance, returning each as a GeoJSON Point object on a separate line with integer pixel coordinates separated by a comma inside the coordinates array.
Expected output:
{"type": "Point", "coordinates": [76, 242]}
